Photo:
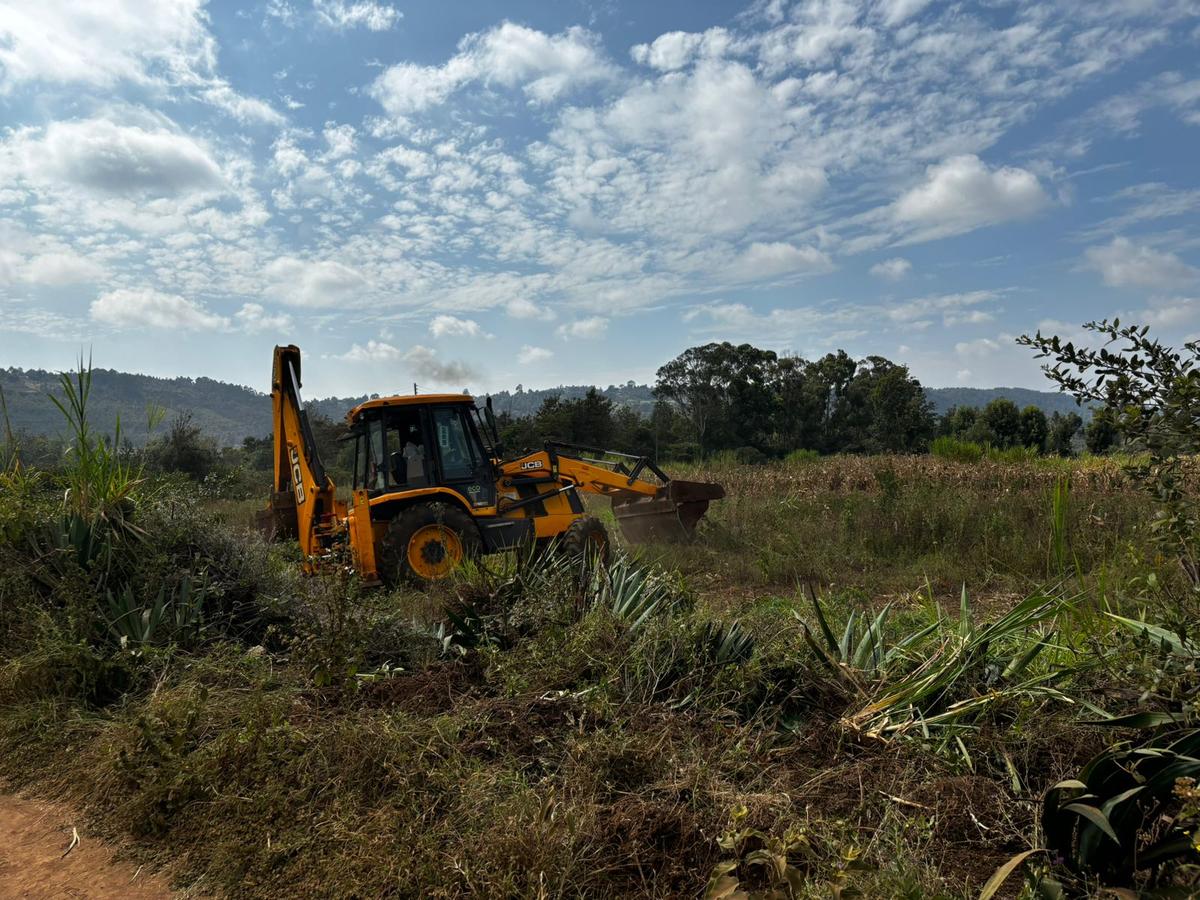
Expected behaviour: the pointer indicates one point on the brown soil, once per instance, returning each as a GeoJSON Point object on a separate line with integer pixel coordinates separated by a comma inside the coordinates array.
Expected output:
{"type": "Point", "coordinates": [33, 838]}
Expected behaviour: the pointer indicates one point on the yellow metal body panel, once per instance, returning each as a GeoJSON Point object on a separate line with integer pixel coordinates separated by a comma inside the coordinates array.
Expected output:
{"type": "Point", "coordinates": [432, 493]}
{"type": "Point", "coordinates": [362, 537]}
{"type": "Point", "coordinates": [411, 400]}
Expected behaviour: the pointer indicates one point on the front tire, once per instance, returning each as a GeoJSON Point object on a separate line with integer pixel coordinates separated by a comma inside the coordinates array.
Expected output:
{"type": "Point", "coordinates": [426, 543]}
{"type": "Point", "coordinates": [586, 538]}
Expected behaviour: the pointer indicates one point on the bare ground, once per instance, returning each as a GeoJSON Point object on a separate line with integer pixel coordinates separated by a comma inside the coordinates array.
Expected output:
{"type": "Point", "coordinates": [34, 862]}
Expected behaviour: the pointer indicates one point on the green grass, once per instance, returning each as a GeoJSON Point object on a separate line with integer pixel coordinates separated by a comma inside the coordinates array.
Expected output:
{"type": "Point", "coordinates": [522, 731]}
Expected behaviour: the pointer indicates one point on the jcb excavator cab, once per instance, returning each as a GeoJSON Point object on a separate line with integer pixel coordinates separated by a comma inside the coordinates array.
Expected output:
{"type": "Point", "coordinates": [405, 444]}
{"type": "Point", "coordinates": [429, 492]}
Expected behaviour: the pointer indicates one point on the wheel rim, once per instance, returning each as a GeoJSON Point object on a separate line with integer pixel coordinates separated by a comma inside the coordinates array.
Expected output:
{"type": "Point", "coordinates": [434, 551]}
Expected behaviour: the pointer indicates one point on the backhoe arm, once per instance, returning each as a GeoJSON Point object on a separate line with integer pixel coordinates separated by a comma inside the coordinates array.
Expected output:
{"type": "Point", "coordinates": [303, 493]}
{"type": "Point", "coordinates": [644, 509]}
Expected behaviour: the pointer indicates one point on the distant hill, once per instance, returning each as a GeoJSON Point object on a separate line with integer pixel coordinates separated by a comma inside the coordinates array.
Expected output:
{"type": "Point", "coordinates": [231, 412]}
{"type": "Point", "coordinates": [1049, 402]}
{"type": "Point", "coordinates": [228, 412]}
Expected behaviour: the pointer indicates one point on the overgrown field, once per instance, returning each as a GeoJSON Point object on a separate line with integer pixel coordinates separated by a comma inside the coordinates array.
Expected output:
{"type": "Point", "coordinates": [866, 677]}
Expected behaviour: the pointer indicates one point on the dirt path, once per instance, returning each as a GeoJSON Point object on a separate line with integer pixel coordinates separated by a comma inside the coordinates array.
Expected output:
{"type": "Point", "coordinates": [33, 838]}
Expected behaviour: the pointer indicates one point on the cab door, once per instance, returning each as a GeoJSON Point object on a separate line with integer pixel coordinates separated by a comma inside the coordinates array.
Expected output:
{"type": "Point", "coordinates": [462, 464]}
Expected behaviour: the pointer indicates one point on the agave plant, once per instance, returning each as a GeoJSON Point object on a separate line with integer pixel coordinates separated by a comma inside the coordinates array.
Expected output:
{"type": "Point", "coordinates": [1128, 811]}
{"type": "Point", "coordinates": [724, 645]}
{"type": "Point", "coordinates": [632, 592]}
{"type": "Point", "coordinates": [966, 660]}
{"type": "Point", "coordinates": [1133, 810]}
{"type": "Point", "coordinates": [176, 615]}
{"type": "Point", "coordinates": [863, 648]}
{"type": "Point", "coordinates": [102, 482]}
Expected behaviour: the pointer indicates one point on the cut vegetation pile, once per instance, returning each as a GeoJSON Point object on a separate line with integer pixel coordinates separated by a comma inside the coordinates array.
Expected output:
{"type": "Point", "coordinates": [818, 708]}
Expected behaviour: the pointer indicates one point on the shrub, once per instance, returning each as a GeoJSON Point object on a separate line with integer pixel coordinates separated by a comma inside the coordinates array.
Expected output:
{"type": "Point", "coordinates": [954, 449]}
{"type": "Point", "coordinates": [750, 456]}
{"type": "Point", "coordinates": [799, 457]}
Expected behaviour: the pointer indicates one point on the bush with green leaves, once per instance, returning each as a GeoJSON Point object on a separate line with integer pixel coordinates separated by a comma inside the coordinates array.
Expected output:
{"type": "Point", "coordinates": [1151, 392]}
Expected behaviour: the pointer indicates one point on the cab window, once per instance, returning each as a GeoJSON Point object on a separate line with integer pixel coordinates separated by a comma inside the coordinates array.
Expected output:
{"type": "Point", "coordinates": [376, 469]}
{"type": "Point", "coordinates": [456, 449]}
{"type": "Point", "coordinates": [407, 462]}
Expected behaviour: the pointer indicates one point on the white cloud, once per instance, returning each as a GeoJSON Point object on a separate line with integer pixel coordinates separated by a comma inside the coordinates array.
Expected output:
{"type": "Point", "coordinates": [253, 318]}
{"type": "Point", "coordinates": [523, 308]}
{"type": "Point", "coordinates": [895, 12]}
{"type": "Point", "coordinates": [676, 49]}
{"type": "Point", "coordinates": [340, 139]}
{"type": "Point", "coordinates": [770, 260]}
{"type": "Point", "coordinates": [892, 269]}
{"type": "Point", "coordinates": [119, 160]}
{"type": "Point", "coordinates": [374, 351]}
{"type": "Point", "coordinates": [452, 326]}
{"type": "Point", "coordinates": [1125, 264]}
{"type": "Point", "coordinates": [100, 44]}
{"type": "Point", "coordinates": [137, 308]}
{"type": "Point", "coordinates": [976, 348]}
{"type": "Point", "coordinates": [163, 44]}
{"type": "Point", "coordinates": [588, 329]}
{"type": "Point", "coordinates": [60, 268]}
{"type": "Point", "coordinates": [341, 15]}
{"type": "Point", "coordinates": [544, 66]}
{"type": "Point", "coordinates": [245, 109]}
{"type": "Point", "coordinates": [1177, 312]}
{"type": "Point", "coordinates": [314, 283]}
{"type": "Point", "coordinates": [418, 361]}
{"type": "Point", "coordinates": [529, 355]}
{"type": "Point", "coordinates": [962, 194]}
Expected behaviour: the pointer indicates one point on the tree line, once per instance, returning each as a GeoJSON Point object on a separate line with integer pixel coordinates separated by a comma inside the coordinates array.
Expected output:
{"type": "Point", "coordinates": [722, 397]}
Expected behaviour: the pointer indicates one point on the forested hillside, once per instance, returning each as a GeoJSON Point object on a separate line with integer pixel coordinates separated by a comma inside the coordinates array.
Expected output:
{"type": "Point", "coordinates": [230, 412]}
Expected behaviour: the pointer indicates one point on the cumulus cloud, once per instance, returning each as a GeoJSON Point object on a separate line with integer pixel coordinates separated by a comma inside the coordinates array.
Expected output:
{"type": "Point", "coordinates": [145, 307]}
{"type": "Point", "coordinates": [452, 326]}
{"type": "Point", "coordinates": [1123, 263]}
{"type": "Point", "coordinates": [340, 15]}
{"type": "Point", "coordinates": [544, 66]}
{"type": "Point", "coordinates": [118, 160]}
{"type": "Point", "coordinates": [528, 355]}
{"type": "Point", "coordinates": [313, 283]}
{"type": "Point", "coordinates": [891, 269]}
{"type": "Point", "coordinates": [676, 49]}
{"type": "Point", "coordinates": [372, 351]}
{"type": "Point", "coordinates": [164, 44]}
{"type": "Point", "coordinates": [523, 308]}
{"type": "Point", "coordinates": [100, 44]}
{"type": "Point", "coordinates": [421, 362]}
{"type": "Point", "coordinates": [771, 260]}
{"type": "Point", "coordinates": [588, 329]}
{"type": "Point", "coordinates": [962, 194]}
{"type": "Point", "coordinates": [253, 318]}
{"type": "Point", "coordinates": [60, 268]}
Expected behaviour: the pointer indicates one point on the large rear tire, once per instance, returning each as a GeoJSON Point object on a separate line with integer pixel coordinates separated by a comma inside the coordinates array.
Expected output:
{"type": "Point", "coordinates": [586, 538]}
{"type": "Point", "coordinates": [425, 543]}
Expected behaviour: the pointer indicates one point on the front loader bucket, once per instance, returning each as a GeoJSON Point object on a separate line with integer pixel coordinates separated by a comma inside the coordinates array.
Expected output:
{"type": "Point", "coordinates": [670, 515]}
{"type": "Point", "coordinates": [278, 520]}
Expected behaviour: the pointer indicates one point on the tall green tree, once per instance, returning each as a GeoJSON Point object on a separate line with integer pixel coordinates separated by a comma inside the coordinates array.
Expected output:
{"type": "Point", "coordinates": [1060, 441]}
{"type": "Point", "coordinates": [1101, 434]}
{"type": "Point", "coordinates": [1003, 422]}
{"type": "Point", "coordinates": [724, 391]}
{"type": "Point", "coordinates": [1034, 428]}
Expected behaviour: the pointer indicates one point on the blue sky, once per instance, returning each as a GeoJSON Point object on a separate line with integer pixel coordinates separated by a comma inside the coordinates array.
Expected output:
{"type": "Point", "coordinates": [481, 194]}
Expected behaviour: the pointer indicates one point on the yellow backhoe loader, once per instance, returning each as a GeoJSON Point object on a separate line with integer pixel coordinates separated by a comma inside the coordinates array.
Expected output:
{"type": "Point", "coordinates": [429, 492]}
